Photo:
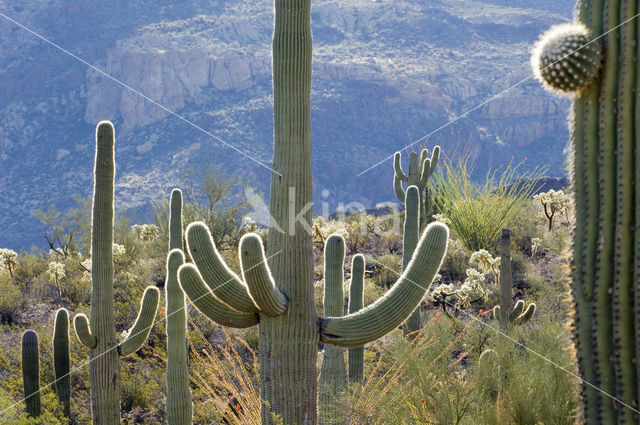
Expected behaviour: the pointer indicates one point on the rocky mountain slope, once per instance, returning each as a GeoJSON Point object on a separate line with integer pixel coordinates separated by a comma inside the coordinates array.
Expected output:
{"type": "Point", "coordinates": [386, 73]}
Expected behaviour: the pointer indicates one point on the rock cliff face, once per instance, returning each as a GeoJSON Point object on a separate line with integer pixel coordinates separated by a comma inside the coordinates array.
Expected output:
{"type": "Point", "coordinates": [386, 73]}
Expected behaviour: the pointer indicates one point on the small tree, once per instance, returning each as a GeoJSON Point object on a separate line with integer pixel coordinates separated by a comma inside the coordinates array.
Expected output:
{"type": "Point", "coordinates": [553, 202]}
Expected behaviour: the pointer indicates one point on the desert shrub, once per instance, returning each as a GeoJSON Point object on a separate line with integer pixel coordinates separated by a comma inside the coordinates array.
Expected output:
{"type": "Point", "coordinates": [11, 299]}
{"type": "Point", "coordinates": [476, 213]}
{"type": "Point", "coordinates": [385, 269]}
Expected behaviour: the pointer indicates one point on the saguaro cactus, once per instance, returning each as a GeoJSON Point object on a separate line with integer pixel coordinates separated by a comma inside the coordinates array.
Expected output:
{"type": "Point", "coordinates": [605, 130]}
{"type": "Point", "coordinates": [281, 297]}
{"type": "Point", "coordinates": [333, 379]}
{"type": "Point", "coordinates": [179, 402]}
{"type": "Point", "coordinates": [420, 169]}
{"type": "Point", "coordinates": [100, 334]}
{"type": "Point", "coordinates": [356, 302]}
{"type": "Point", "coordinates": [31, 372]}
{"type": "Point", "coordinates": [61, 359]}
{"type": "Point", "coordinates": [504, 313]}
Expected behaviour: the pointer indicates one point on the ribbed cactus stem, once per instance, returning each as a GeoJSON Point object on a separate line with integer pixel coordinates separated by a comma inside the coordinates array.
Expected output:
{"type": "Point", "coordinates": [98, 332]}
{"type": "Point", "coordinates": [356, 303]}
{"type": "Point", "coordinates": [605, 125]}
{"type": "Point", "coordinates": [61, 360]}
{"type": "Point", "coordinates": [506, 293]}
{"type": "Point", "coordinates": [504, 313]}
{"type": "Point", "coordinates": [179, 399]}
{"type": "Point", "coordinates": [31, 372]}
{"type": "Point", "coordinates": [332, 373]}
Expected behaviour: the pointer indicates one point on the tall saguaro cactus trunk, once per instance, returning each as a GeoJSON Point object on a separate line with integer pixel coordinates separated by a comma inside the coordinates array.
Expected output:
{"type": "Point", "coordinates": [603, 79]}
{"type": "Point", "coordinates": [98, 333]}
{"type": "Point", "coordinates": [291, 338]}
{"type": "Point", "coordinates": [179, 401]}
{"type": "Point", "coordinates": [279, 296]}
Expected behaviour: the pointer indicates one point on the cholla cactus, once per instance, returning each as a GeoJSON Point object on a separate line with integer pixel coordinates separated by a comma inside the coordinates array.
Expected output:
{"type": "Point", "coordinates": [56, 271]}
{"type": "Point", "coordinates": [565, 59]}
{"type": "Point", "coordinates": [535, 244]}
{"type": "Point", "coordinates": [8, 260]}
{"type": "Point", "coordinates": [441, 218]}
{"type": "Point", "coordinates": [323, 228]}
{"type": "Point", "coordinates": [486, 262]}
{"type": "Point", "coordinates": [473, 289]}
{"type": "Point", "coordinates": [553, 202]}
{"type": "Point", "coordinates": [146, 232]}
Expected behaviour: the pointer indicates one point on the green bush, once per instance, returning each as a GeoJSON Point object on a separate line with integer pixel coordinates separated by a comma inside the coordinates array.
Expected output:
{"type": "Point", "coordinates": [11, 299]}
{"type": "Point", "coordinates": [476, 213]}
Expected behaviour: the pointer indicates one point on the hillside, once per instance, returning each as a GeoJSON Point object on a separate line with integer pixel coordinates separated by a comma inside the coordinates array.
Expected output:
{"type": "Point", "coordinates": [385, 72]}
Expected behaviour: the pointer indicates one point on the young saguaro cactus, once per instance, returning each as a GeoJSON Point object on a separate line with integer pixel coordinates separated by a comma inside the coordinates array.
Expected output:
{"type": "Point", "coordinates": [99, 333]}
{"type": "Point", "coordinates": [333, 379]}
{"type": "Point", "coordinates": [420, 169]}
{"type": "Point", "coordinates": [355, 355]}
{"type": "Point", "coordinates": [504, 313]}
{"type": "Point", "coordinates": [179, 400]}
{"type": "Point", "coordinates": [605, 129]}
{"type": "Point", "coordinates": [61, 360]}
{"type": "Point", "coordinates": [31, 372]}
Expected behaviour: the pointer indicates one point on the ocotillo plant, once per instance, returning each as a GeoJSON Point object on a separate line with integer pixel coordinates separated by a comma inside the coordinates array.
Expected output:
{"type": "Point", "coordinates": [99, 334]}
{"type": "Point", "coordinates": [504, 313]}
{"type": "Point", "coordinates": [289, 327]}
{"type": "Point", "coordinates": [604, 126]}
{"type": "Point", "coordinates": [356, 302]}
{"type": "Point", "coordinates": [179, 403]}
{"type": "Point", "coordinates": [420, 169]}
{"type": "Point", "coordinates": [61, 360]}
{"type": "Point", "coordinates": [31, 372]}
{"type": "Point", "coordinates": [333, 379]}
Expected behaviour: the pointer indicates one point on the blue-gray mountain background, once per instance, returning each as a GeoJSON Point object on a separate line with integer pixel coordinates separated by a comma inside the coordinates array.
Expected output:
{"type": "Point", "coordinates": [385, 73]}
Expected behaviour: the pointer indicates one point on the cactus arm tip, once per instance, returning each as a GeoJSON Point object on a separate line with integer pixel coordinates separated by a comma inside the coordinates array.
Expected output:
{"type": "Point", "coordinates": [435, 155]}
{"type": "Point", "coordinates": [201, 296]}
{"type": "Point", "coordinates": [143, 324]}
{"type": "Point", "coordinates": [397, 188]}
{"type": "Point", "coordinates": [255, 272]}
{"type": "Point", "coordinates": [394, 307]}
{"type": "Point", "coordinates": [397, 167]}
{"type": "Point", "coordinates": [83, 332]}
{"type": "Point", "coordinates": [527, 315]}
{"type": "Point", "coordinates": [223, 282]}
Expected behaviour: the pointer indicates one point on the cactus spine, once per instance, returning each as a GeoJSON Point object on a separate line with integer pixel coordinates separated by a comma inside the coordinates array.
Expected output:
{"type": "Point", "coordinates": [61, 360]}
{"type": "Point", "coordinates": [420, 169]}
{"type": "Point", "coordinates": [31, 372]}
{"type": "Point", "coordinates": [356, 303]}
{"type": "Point", "coordinates": [281, 299]}
{"type": "Point", "coordinates": [605, 136]}
{"type": "Point", "coordinates": [504, 313]}
{"type": "Point", "coordinates": [333, 378]}
{"type": "Point", "coordinates": [100, 335]}
{"type": "Point", "coordinates": [179, 406]}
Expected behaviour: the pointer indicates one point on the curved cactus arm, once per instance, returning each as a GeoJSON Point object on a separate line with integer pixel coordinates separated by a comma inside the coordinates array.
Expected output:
{"type": "Point", "coordinates": [397, 167]}
{"type": "Point", "coordinates": [527, 315]}
{"type": "Point", "coordinates": [256, 274]}
{"type": "Point", "coordinates": [224, 283]}
{"type": "Point", "coordinates": [518, 308]}
{"type": "Point", "coordinates": [334, 251]}
{"type": "Point", "coordinates": [393, 308]}
{"type": "Point", "coordinates": [495, 313]}
{"type": "Point", "coordinates": [397, 188]}
{"type": "Point", "coordinates": [424, 154]}
{"type": "Point", "coordinates": [201, 296]}
{"type": "Point", "coordinates": [61, 359]}
{"type": "Point", "coordinates": [81, 326]}
{"type": "Point", "coordinates": [434, 160]}
{"type": "Point", "coordinates": [139, 332]}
